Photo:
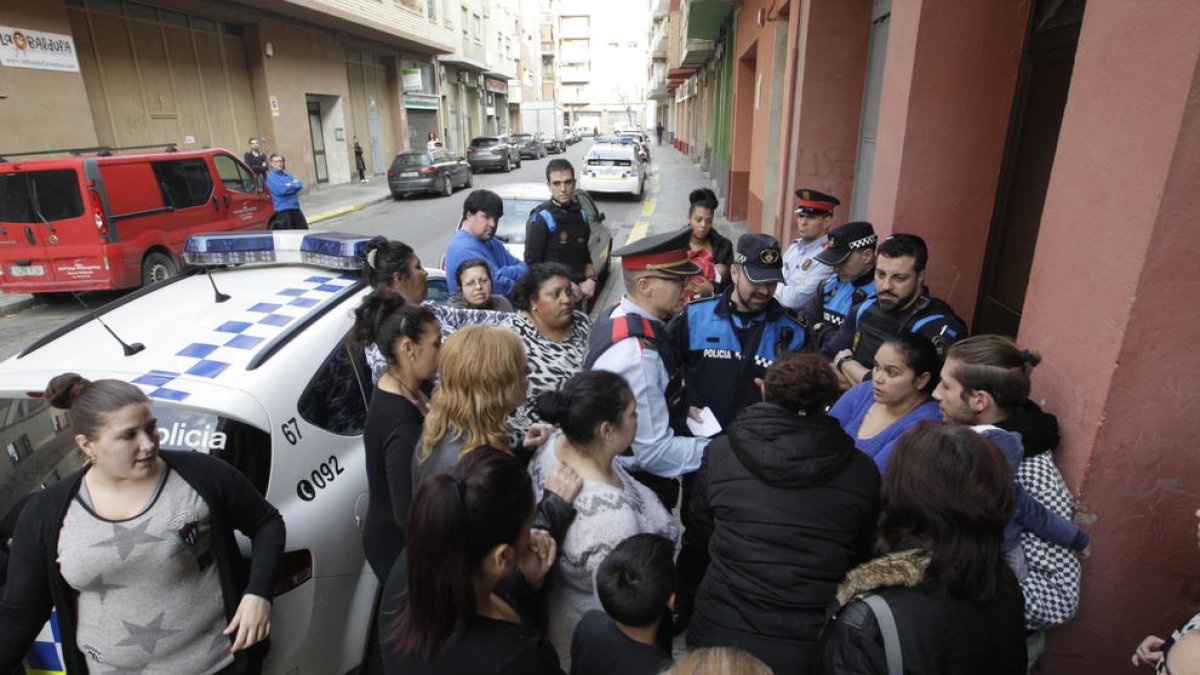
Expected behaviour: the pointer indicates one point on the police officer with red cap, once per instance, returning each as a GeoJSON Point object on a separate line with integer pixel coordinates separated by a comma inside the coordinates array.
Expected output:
{"type": "Point", "coordinates": [630, 339]}
{"type": "Point", "coordinates": [802, 272]}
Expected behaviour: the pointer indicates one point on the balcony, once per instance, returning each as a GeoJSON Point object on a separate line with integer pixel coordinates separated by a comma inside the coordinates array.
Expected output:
{"type": "Point", "coordinates": [569, 75]}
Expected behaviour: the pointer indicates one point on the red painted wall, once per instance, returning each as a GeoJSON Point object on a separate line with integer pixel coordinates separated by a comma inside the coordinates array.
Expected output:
{"type": "Point", "coordinates": [947, 97]}
{"type": "Point", "coordinates": [829, 75]}
{"type": "Point", "coordinates": [1112, 306]}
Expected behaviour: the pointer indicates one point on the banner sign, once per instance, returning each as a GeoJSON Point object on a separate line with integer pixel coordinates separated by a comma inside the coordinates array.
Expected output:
{"type": "Point", "coordinates": [412, 79]}
{"type": "Point", "coordinates": [20, 48]}
{"type": "Point", "coordinates": [496, 86]}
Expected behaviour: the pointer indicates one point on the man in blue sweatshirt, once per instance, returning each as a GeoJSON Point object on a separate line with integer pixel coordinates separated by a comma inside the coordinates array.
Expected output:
{"type": "Point", "coordinates": [984, 380]}
{"type": "Point", "coordinates": [285, 194]}
{"type": "Point", "coordinates": [476, 239]}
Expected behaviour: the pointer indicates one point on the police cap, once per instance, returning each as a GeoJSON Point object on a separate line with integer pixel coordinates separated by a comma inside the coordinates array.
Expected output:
{"type": "Point", "coordinates": [667, 252]}
{"type": "Point", "coordinates": [814, 201]}
{"type": "Point", "coordinates": [758, 254]}
{"type": "Point", "coordinates": [845, 239]}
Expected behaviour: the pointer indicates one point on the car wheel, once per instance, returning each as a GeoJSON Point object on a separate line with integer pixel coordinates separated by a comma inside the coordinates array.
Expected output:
{"type": "Point", "coordinates": [507, 164]}
{"type": "Point", "coordinates": [447, 188]}
{"type": "Point", "coordinates": [470, 178]}
{"type": "Point", "coordinates": [518, 162]}
{"type": "Point", "coordinates": [158, 267]}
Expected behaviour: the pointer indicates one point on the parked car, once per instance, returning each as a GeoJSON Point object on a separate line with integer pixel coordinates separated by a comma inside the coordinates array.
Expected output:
{"type": "Point", "coordinates": [613, 165]}
{"type": "Point", "coordinates": [552, 145]}
{"type": "Point", "coordinates": [521, 198]}
{"type": "Point", "coordinates": [104, 220]}
{"type": "Point", "coordinates": [264, 381]}
{"type": "Point", "coordinates": [528, 146]}
{"type": "Point", "coordinates": [439, 171]}
{"type": "Point", "coordinates": [585, 130]}
{"type": "Point", "coordinates": [493, 152]}
{"type": "Point", "coordinates": [640, 139]}
{"type": "Point", "coordinates": [571, 136]}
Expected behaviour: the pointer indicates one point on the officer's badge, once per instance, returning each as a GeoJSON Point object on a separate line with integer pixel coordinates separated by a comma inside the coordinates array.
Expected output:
{"type": "Point", "coordinates": [563, 238]}
{"type": "Point", "coordinates": [804, 194]}
{"type": "Point", "coordinates": [807, 264]}
{"type": "Point", "coordinates": [769, 256]}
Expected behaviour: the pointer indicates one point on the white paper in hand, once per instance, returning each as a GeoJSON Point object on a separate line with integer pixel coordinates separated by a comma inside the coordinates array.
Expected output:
{"type": "Point", "coordinates": [707, 426]}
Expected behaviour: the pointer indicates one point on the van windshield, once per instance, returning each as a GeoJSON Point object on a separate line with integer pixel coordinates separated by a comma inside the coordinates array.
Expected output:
{"type": "Point", "coordinates": [57, 196]}
{"type": "Point", "coordinates": [37, 445]}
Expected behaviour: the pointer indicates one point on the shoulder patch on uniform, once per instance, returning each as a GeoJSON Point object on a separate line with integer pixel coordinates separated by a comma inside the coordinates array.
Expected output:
{"type": "Point", "coordinates": [795, 316]}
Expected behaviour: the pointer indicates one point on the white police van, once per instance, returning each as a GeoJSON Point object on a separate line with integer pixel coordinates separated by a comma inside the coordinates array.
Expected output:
{"type": "Point", "coordinates": [251, 366]}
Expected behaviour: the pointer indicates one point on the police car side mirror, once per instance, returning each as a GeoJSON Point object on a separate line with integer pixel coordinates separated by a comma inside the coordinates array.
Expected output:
{"type": "Point", "coordinates": [602, 216]}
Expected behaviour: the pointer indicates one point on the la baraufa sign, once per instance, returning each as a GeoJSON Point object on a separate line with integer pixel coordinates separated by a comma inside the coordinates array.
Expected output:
{"type": "Point", "coordinates": [22, 48]}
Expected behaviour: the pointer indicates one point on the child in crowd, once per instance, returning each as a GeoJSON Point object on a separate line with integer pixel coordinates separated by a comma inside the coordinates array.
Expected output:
{"type": "Point", "coordinates": [636, 585]}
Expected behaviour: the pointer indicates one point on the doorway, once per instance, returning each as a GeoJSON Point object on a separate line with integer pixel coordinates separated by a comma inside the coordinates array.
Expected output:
{"type": "Point", "coordinates": [317, 133]}
{"type": "Point", "coordinates": [1041, 97]}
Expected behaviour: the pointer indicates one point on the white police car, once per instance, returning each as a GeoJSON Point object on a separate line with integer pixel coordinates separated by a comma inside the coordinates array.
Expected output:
{"type": "Point", "coordinates": [249, 366]}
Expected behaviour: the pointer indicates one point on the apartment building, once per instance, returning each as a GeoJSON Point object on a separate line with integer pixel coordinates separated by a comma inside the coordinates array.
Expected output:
{"type": "Point", "coordinates": [475, 76]}
{"type": "Point", "coordinates": [307, 76]}
{"type": "Point", "coordinates": [599, 46]}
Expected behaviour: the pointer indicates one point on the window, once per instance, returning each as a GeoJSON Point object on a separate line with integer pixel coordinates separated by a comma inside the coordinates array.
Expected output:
{"type": "Point", "coordinates": [336, 397]}
{"type": "Point", "coordinates": [431, 9]}
{"type": "Point", "coordinates": [184, 182]}
{"type": "Point", "coordinates": [465, 26]}
{"type": "Point", "coordinates": [53, 194]}
{"type": "Point", "coordinates": [233, 175]}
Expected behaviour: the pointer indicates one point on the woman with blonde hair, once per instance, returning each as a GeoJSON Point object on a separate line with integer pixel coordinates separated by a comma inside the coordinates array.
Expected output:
{"type": "Point", "coordinates": [481, 373]}
{"type": "Point", "coordinates": [719, 661]}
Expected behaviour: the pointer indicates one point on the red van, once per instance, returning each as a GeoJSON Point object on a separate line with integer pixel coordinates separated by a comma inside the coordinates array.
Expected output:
{"type": "Point", "coordinates": [105, 221]}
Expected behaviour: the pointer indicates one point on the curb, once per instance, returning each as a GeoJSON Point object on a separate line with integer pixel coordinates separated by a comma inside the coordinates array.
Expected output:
{"type": "Point", "coordinates": [343, 210]}
{"type": "Point", "coordinates": [19, 305]}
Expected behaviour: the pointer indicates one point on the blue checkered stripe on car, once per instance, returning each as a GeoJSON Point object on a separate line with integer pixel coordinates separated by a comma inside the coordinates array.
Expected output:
{"type": "Point", "coordinates": [234, 340]}
{"type": "Point", "coordinates": [45, 657]}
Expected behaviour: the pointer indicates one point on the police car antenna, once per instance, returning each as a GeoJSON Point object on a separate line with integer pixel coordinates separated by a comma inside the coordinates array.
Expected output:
{"type": "Point", "coordinates": [217, 295]}
{"type": "Point", "coordinates": [130, 349]}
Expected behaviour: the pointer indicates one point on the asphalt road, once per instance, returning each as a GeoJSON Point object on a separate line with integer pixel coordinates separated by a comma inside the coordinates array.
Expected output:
{"type": "Point", "coordinates": [425, 223]}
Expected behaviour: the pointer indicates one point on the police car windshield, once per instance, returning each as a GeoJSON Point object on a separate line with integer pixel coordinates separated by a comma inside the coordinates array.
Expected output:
{"type": "Point", "coordinates": [39, 445]}
{"type": "Point", "coordinates": [512, 226]}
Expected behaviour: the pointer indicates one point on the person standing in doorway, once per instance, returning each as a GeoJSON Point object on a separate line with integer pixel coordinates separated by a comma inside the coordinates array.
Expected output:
{"type": "Point", "coordinates": [658, 129]}
{"type": "Point", "coordinates": [256, 159]}
{"type": "Point", "coordinates": [285, 194]}
{"type": "Point", "coordinates": [433, 143]}
{"type": "Point", "coordinates": [359, 162]}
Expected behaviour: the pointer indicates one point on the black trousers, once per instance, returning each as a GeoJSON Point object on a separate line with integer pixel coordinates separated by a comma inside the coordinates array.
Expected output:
{"type": "Point", "coordinates": [289, 219]}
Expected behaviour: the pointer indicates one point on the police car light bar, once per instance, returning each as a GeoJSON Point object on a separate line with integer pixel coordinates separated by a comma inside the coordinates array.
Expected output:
{"type": "Point", "coordinates": [623, 140]}
{"type": "Point", "coordinates": [329, 250]}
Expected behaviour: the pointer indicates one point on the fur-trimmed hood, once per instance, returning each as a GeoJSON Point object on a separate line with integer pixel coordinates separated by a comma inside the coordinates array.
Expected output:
{"type": "Point", "coordinates": [905, 568]}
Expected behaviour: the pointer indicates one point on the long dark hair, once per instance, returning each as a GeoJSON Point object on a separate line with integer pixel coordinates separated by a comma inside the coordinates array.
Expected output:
{"type": "Point", "coordinates": [455, 521]}
{"type": "Point", "coordinates": [586, 400]}
{"type": "Point", "coordinates": [919, 355]}
{"type": "Point", "coordinates": [950, 489]}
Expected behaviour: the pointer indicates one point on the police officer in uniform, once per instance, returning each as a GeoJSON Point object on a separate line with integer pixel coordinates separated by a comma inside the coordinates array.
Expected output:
{"type": "Point", "coordinates": [630, 339]}
{"type": "Point", "coordinates": [851, 254]}
{"type": "Point", "coordinates": [728, 341]}
{"type": "Point", "coordinates": [902, 304]}
{"type": "Point", "coordinates": [802, 272]}
{"type": "Point", "coordinates": [558, 230]}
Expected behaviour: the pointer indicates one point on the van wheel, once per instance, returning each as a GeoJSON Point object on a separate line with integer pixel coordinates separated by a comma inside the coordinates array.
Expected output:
{"type": "Point", "coordinates": [447, 188]}
{"type": "Point", "coordinates": [158, 267]}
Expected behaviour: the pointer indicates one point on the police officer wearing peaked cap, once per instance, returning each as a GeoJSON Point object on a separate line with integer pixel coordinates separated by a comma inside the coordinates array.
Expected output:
{"type": "Point", "coordinates": [850, 251]}
{"type": "Point", "coordinates": [802, 272]}
{"type": "Point", "coordinates": [728, 341]}
{"type": "Point", "coordinates": [630, 339]}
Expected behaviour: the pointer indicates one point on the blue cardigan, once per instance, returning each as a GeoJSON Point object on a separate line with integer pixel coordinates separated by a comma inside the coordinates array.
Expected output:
{"type": "Point", "coordinates": [852, 407]}
{"type": "Point", "coordinates": [505, 267]}
{"type": "Point", "coordinates": [285, 189]}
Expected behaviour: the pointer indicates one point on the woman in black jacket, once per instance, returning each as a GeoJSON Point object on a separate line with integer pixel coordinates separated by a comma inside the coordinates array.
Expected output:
{"type": "Point", "coordinates": [136, 550]}
{"type": "Point", "coordinates": [947, 495]}
{"type": "Point", "coordinates": [785, 505]}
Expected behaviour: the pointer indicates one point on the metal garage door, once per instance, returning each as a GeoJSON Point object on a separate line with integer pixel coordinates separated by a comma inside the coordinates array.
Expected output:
{"type": "Point", "coordinates": [154, 75]}
{"type": "Point", "coordinates": [420, 123]}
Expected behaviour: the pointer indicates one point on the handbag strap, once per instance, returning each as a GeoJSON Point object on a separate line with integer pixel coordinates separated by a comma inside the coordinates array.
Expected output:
{"type": "Point", "coordinates": [887, 627]}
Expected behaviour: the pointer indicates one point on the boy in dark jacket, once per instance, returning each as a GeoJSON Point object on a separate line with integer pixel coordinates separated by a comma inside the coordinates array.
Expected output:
{"type": "Point", "coordinates": [636, 585]}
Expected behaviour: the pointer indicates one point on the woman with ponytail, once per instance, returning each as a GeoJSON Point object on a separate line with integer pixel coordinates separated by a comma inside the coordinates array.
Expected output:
{"type": "Point", "coordinates": [463, 600]}
{"type": "Point", "coordinates": [136, 539]}
{"type": "Point", "coordinates": [410, 339]}
{"type": "Point", "coordinates": [709, 249]}
{"type": "Point", "coordinates": [597, 421]}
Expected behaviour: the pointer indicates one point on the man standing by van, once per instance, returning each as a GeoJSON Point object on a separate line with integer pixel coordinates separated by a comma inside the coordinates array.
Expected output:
{"type": "Point", "coordinates": [285, 193]}
{"type": "Point", "coordinates": [256, 160]}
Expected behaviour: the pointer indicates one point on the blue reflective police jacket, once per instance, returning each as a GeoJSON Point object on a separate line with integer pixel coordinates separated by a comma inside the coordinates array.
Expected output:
{"type": "Point", "coordinates": [718, 372]}
{"type": "Point", "coordinates": [930, 317]}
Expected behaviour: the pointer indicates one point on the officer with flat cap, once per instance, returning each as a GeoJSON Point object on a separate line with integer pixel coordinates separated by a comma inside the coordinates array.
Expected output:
{"type": "Point", "coordinates": [729, 341]}
{"type": "Point", "coordinates": [851, 253]}
{"type": "Point", "coordinates": [630, 339]}
{"type": "Point", "coordinates": [802, 272]}
{"type": "Point", "coordinates": [902, 304]}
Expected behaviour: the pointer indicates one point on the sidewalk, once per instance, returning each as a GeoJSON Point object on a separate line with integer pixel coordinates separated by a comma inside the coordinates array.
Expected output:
{"type": "Point", "coordinates": [318, 204]}
{"type": "Point", "coordinates": [672, 177]}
